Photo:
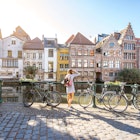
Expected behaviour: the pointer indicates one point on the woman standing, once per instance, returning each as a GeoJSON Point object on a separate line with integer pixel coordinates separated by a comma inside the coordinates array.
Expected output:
{"type": "Point", "coordinates": [70, 90]}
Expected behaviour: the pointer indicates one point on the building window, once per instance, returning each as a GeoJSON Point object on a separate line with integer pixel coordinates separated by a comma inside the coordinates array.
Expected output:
{"type": "Point", "coordinates": [105, 64]}
{"type": "Point", "coordinates": [61, 56]}
{"type": "Point", "coordinates": [106, 53]}
{"type": "Point", "coordinates": [110, 64]}
{"type": "Point", "coordinates": [9, 53]}
{"type": "Point", "coordinates": [129, 65]}
{"type": "Point", "coordinates": [129, 37]}
{"type": "Point", "coordinates": [10, 63]}
{"type": "Point", "coordinates": [85, 52]}
{"type": "Point", "coordinates": [111, 74]}
{"type": "Point", "coordinates": [28, 55]}
{"type": "Point", "coordinates": [61, 67]}
{"type": "Point", "coordinates": [34, 55]}
{"type": "Point", "coordinates": [79, 63]}
{"type": "Point", "coordinates": [40, 55]}
{"type": "Point", "coordinates": [91, 73]}
{"type": "Point", "coordinates": [117, 64]}
{"type": "Point", "coordinates": [73, 63]}
{"type": "Point", "coordinates": [85, 73]}
{"type": "Point", "coordinates": [66, 56]}
{"type": "Point", "coordinates": [40, 65]}
{"type": "Point", "coordinates": [73, 52]}
{"type": "Point", "coordinates": [79, 52]}
{"type": "Point", "coordinates": [85, 63]}
{"type": "Point", "coordinates": [19, 54]}
{"type": "Point", "coordinates": [50, 53]}
{"type": "Point", "coordinates": [91, 63]}
{"type": "Point", "coordinates": [50, 75]}
{"type": "Point", "coordinates": [50, 68]}
{"type": "Point", "coordinates": [91, 52]}
{"type": "Point", "coordinates": [13, 42]}
{"type": "Point", "coordinates": [66, 66]}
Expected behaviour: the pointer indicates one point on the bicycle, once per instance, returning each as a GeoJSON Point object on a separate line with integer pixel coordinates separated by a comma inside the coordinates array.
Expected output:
{"type": "Point", "coordinates": [51, 98]}
{"type": "Point", "coordinates": [119, 102]}
{"type": "Point", "coordinates": [85, 99]}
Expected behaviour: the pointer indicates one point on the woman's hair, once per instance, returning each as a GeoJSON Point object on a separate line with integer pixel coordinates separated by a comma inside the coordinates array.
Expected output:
{"type": "Point", "coordinates": [69, 71]}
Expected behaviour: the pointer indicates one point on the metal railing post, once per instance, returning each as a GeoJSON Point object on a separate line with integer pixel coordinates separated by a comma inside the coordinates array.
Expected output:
{"type": "Point", "coordinates": [93, 98]}
{"type": "Point", "coordinates": [0, 91]}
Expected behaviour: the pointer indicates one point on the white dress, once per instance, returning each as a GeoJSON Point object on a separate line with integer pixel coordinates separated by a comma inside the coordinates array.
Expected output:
{"type": "Point", "coordinates": [71, 89]}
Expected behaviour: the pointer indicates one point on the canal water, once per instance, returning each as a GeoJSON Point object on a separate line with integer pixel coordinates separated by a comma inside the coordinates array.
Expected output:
{"type": "Point", "coordinates": [12, 91]}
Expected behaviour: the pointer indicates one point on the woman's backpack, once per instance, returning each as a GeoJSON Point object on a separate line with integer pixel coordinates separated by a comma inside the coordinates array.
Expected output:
{"type": "Point", "coordinates": [67, 82]}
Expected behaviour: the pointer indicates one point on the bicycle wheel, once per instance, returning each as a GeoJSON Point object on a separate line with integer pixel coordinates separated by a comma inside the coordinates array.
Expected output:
{"type": "Point", "coordinates": [106, 97]}
{"type": "Point", "coordinates": [118, 103]}
{"type": "Point", "coordinates": [136, 101]}
{"type": "Point", "coordinates": [85, 99]}
{"type": "Point", "coordinates": [53, 98]}
{"type": "Point", "coordinates": [28, 98]}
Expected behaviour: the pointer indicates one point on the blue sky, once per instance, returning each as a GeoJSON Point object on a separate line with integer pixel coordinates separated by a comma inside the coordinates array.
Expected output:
{"type": "Point", "coordinates": [66, 17]}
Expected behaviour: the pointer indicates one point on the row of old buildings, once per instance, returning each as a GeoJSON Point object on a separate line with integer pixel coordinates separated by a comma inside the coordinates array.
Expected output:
{"type": "Point", "coordinates": [99, 59]}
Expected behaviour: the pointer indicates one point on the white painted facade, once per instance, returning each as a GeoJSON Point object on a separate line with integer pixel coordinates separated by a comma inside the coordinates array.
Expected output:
{"type": "Point", "coordinates": [11, 65]}
{"type": "Point", "coordinates": [50, 60]}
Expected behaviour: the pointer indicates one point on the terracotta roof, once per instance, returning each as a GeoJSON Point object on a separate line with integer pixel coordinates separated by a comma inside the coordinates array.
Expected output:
{"type": "Point", "coordinates": [21, 33]}
{"type": "Point", "coordinates": [34, 44]}
{"type": "Point", "coordinates": [69, 40]}
{"type": "Point", "coordinates": [137, 41]}
{"type": "Point", "coordinates": [81, 40]}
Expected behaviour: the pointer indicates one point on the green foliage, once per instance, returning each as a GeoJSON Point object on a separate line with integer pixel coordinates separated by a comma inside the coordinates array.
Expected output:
{"type": "Point", "coordinates": [130, 76]}
{"type": "Point", "coordinates": [30, 72]}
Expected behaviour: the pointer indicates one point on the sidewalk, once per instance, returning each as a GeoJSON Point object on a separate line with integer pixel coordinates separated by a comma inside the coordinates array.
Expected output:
{"type": "Point", "coordinates": [36, 123]}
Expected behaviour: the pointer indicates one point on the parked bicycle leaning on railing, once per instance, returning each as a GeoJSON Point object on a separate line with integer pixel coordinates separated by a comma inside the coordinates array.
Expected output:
{"type": "Point", "coordinates": [47, 97]}
{"type": "Point", "coordinates": [119, 102]}
{"type": "Point", "coordinates": [85, 99]}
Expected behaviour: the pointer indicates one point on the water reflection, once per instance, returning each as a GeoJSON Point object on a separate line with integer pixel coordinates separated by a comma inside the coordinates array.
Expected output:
{"type": "Point", "coordinates": [12, 92]}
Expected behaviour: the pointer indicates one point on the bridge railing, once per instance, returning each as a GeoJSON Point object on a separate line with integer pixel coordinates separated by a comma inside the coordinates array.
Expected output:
{"type": "Point", "coordinates": [11, 90]}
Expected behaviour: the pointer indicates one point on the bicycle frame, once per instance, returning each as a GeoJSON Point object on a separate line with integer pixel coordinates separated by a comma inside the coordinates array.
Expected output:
{"type": "Point", "coordinates": [37, 90]}
{"type": "Point", "coordinates": [133, 93]}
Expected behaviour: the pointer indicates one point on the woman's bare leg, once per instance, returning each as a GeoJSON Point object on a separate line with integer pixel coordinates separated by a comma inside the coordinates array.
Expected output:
{"type": "Point", "coordinates": [70, 97]}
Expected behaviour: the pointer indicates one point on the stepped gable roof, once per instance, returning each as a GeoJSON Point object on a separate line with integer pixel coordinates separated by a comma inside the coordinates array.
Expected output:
{"type": "Point", "coordinates": [35, 44]}
{"type": "Point", "coordinates": [81, 40]}
{"type": "Point", "coordinates": [19, 32]}
{"type": "Point", "coordinates": [123, 32]}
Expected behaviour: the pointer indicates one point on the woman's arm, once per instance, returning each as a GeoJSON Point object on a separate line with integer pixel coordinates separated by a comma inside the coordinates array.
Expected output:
{"type": "Point", "coordinates": [76, 73]}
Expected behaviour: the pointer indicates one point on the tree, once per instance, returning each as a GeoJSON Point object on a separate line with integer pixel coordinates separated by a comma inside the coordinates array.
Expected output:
{"type": "Point", "coordinates": [30, 72]}
{"type": "Point", "coordinates": [130, 76]}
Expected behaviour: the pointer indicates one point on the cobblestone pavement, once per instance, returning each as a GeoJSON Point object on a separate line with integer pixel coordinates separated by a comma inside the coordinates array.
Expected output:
{"type": "Point", "coordinates": [37, 123]}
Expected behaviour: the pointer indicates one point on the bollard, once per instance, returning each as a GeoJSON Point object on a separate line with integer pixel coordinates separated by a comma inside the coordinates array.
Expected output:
{"type": "Point", "coordinates": [0, 91]}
